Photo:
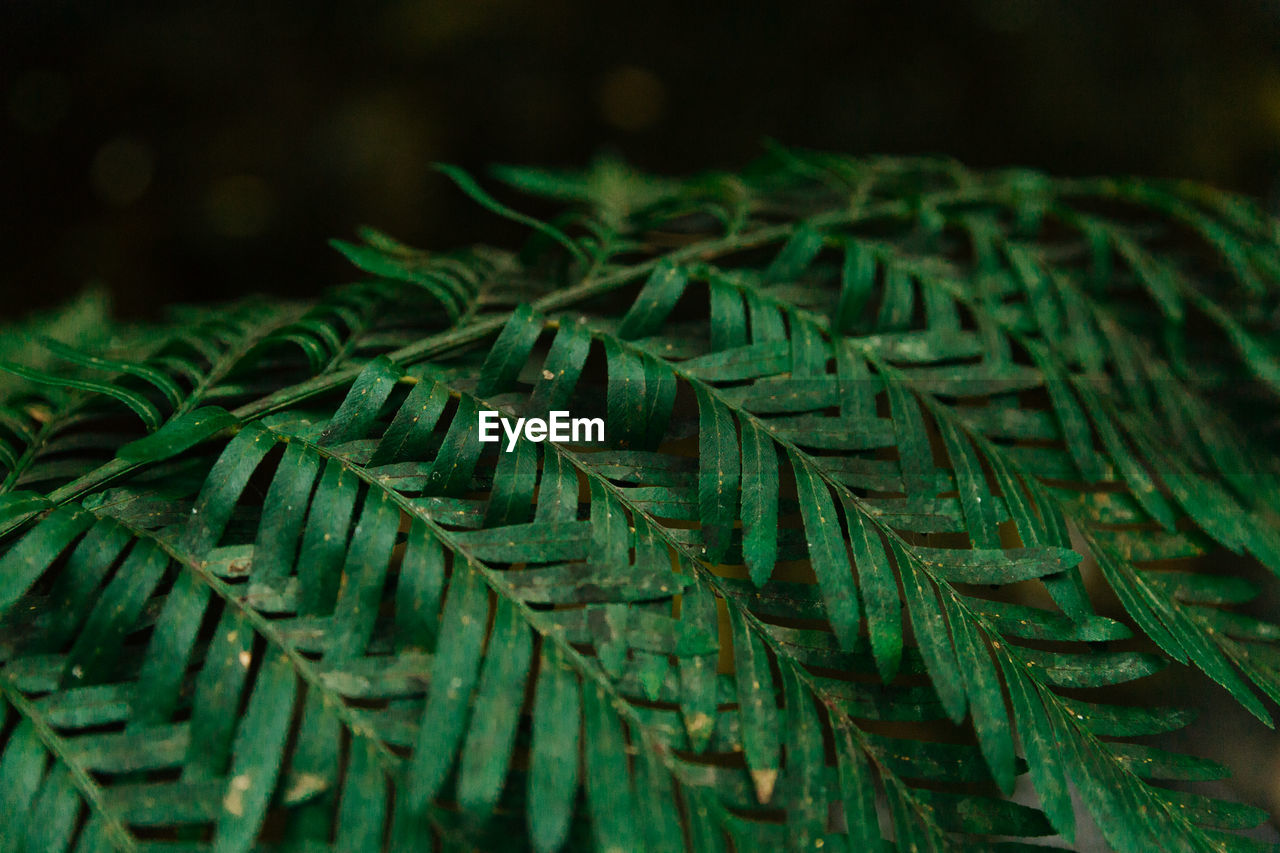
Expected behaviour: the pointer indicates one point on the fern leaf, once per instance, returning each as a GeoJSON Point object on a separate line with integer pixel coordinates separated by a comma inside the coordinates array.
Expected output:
{"type": "Point", "coordinates": [872, 429]}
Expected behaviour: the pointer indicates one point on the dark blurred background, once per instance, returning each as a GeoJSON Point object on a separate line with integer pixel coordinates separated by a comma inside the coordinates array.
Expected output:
{"type": "Point", "coordinates": [197, 151]}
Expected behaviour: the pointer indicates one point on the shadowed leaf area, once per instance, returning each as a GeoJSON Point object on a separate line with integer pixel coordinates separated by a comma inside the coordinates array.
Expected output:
{"type": "Point", "coordinates": [917, 485]}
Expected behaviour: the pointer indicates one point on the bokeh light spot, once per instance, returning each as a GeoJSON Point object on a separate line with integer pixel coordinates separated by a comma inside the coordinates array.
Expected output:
{"type": "Point", "coordinates": [121, 170]}
{"type": "Point", "coordinates": [631, 98]}
{"type": "Point", "coordinates": [240, 206]}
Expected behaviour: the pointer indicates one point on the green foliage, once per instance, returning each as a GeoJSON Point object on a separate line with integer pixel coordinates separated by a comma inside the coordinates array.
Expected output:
{"type": "Point", "coordinates": [884, 438]}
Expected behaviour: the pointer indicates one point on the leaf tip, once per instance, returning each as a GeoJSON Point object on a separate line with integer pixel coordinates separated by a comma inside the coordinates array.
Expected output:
{"type": "Point", "coordinates": [764, 780]}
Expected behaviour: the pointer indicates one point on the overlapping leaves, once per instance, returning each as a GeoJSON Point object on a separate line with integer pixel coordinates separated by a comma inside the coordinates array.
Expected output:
{"type": "Point", "coordinates": [868, 422]}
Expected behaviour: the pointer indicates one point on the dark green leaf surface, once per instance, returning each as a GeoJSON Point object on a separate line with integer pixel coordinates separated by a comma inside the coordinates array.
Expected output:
{"type": "Point", "coordinates": [883, 438]}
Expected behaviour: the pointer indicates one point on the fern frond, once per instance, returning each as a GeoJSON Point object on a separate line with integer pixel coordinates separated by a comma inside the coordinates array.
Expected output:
{"type": "Point", "coordinates": [876, 430]}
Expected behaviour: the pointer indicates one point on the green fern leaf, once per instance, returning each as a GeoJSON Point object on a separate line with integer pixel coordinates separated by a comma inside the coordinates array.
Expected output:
{"type": "Point", "coordinates": [882, 436]}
